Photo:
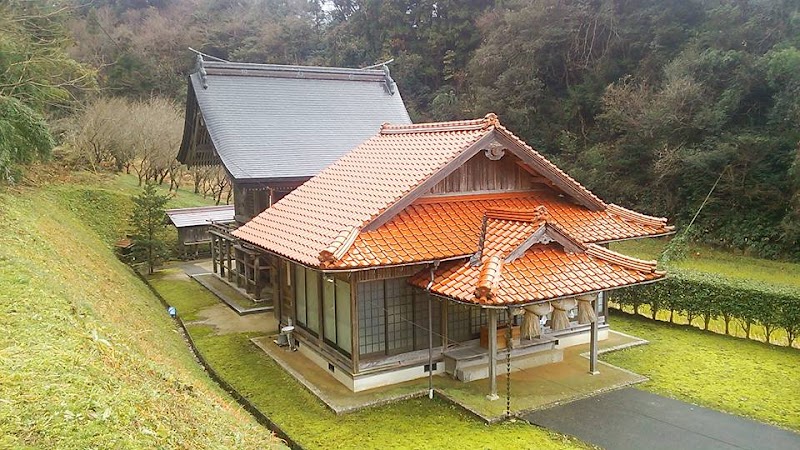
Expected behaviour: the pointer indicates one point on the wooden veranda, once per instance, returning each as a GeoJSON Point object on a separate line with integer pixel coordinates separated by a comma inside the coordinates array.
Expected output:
{"type": "Point", "coordinates": [241, 265]}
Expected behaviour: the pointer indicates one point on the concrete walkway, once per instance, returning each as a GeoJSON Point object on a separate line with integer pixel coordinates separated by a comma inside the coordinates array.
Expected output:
{"type": "Point", "coordinates": [225, 320]}
{"type": "Point", "coordinates": [638, 420]}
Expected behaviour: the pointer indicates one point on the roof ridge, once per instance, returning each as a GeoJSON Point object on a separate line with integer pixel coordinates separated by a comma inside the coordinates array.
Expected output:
{"type": "Point", "coordinates": [289, 67]}
{"type": "Point", "coordinates": [488, 278]}
{"type": "Point", "coordinates": [629, 214]}
{"type": "Point", "coordinates": [294, 72]}
{"type": "Point", "coordinates": [555, 170]}
{"type": "Point", "coordinates": [621, 260]}
{"type": "Point", "coordinates": [537, 214]}
{"type": "Point", "coordinates": [483, 123]}
{"type": "Point", "coordinates": [339, 247]}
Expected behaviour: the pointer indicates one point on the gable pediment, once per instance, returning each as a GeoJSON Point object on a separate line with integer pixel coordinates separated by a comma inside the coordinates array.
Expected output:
{"type": "Point", "coordinates": [496, 147]}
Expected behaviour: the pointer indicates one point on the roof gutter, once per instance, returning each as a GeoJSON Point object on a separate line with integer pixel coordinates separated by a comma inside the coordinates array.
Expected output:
{"type": "Point", "coordinates": [436, 263]}
{"type": "Point", "coordinates": [521, 305]}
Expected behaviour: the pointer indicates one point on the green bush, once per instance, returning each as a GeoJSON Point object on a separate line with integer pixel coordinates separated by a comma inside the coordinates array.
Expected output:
{"type": "Point", "coordinates": [710, 297]}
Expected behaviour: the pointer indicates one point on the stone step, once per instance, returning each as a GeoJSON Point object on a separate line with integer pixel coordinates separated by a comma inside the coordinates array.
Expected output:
{"type": "Point", "coordinates": [478, 370]}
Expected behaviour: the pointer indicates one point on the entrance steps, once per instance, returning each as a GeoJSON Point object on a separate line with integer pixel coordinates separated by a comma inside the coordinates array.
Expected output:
{"type": "Point", "coordinates": [469, 361]}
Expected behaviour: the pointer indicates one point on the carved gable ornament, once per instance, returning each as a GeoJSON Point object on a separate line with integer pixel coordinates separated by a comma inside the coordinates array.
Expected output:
{"type": "Point", "coordinates": [494, 151]}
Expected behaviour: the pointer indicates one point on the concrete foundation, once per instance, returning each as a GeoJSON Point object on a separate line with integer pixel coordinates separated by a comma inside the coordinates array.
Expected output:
{"type": "Point", "coordinates": [467, 372]}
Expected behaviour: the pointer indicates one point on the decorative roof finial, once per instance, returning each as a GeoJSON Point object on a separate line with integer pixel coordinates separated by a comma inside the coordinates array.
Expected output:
{"type": "Point", "coordinates": [492, 120]}
{"type": "Point", "coordinates": [202, 70]}
{"type": "Point", "coordinates": [541, 214]}
{"type": "Point", "coordinates": [390, 84]}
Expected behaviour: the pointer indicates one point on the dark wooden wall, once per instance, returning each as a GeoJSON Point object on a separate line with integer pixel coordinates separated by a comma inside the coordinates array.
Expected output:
{"type": "Point", "coordinates": [482, 174]}
{"type": "Point", "coordinates": [194, 235]}
{"type": "Point", "coordinates": [250, 199]}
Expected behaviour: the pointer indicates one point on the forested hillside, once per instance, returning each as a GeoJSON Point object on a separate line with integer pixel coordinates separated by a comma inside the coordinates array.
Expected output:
{"type": "Point", "coordinates": [650, 103]}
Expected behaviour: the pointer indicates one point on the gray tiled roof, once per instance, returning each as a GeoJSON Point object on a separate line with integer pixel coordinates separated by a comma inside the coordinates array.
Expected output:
{"type": "Point", "coordinates": [202, 215]}
{"type": "Point", "coordinates": [280, 122]}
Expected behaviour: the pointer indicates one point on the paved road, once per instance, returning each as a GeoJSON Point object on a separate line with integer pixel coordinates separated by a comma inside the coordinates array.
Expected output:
{"type": "Point", "coordinates": [638, 420]}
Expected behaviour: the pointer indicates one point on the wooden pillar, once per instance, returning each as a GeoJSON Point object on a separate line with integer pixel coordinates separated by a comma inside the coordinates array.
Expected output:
{"type": "Point", "coordinates": [492, 355]}
{"type": "Point", "coordinates": [228, 259]}
{"type": "Point", "coordinates": [257, 277]}
{"type": "Point", "coordinates": [213, 253]}
{"type": "Point", "coordinates": [354, 344]}
{"type": "Point", "coordinates": [593, 339]}
{"type": "Point", "coordinates": [275, 279]}
{"type": "Point", "coordinates": [221, 255]}
{"type": "Point", "coordinates": [237, 262]}
{"type": "Point", "coordinates": [248, 271]}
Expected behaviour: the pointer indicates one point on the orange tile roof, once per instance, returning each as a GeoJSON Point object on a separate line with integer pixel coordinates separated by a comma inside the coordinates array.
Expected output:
{"type": "Point", "coordinates": [329, 208]}
{"type": "Point", "coordinates": [436, 228]}
{"type": "Point", "coordinates": [517, 266]}
{"type": "Point", "coordinates": [322, 221]}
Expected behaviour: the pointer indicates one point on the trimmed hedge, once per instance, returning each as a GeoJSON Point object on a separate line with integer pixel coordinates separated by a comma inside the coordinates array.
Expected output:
{"type": "Point", "coordinates": [710, 297]}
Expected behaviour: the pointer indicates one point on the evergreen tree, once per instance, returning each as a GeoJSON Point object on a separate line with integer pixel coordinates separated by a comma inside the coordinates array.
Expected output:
{"type": "Point", "coordinates": [24, 137]}
{"type": "Point", "coordinates": [147, 222]}
{"type": "Point", "coordinates": [38, 80]}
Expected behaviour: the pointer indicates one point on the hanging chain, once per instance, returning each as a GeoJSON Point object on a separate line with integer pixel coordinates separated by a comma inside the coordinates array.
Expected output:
{"type": "Point", "coordinates": [508, 371]}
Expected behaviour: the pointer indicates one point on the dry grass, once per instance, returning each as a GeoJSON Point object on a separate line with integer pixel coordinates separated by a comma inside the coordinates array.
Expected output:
{"type": "Point", "coordinates": [88, 359]}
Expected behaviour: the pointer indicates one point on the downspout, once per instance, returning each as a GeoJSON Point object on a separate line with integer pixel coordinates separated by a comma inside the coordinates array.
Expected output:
{"type": "Point", "coordinates": [430, 332]}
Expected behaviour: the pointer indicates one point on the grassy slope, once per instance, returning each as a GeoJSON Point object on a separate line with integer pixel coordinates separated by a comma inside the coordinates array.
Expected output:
{"type": "Point", "coordinates": [417, 423]}
{"type": "Point", "coordinates": [722, 372]}
{"type": "Point", "coordinates": [88, 359]}
{"type": "Point", "coordinates": [706, 259]}
{"type": "Point", "coordinates": [104, 201]}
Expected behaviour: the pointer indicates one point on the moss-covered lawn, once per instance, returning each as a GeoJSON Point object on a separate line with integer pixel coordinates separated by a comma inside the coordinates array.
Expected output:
{"type": "Point", "coordinates": [186, 295]}
{"type": "Point", "coordinates": [722, 372]}
{"type": "Point", "coordinates": [416, 423]}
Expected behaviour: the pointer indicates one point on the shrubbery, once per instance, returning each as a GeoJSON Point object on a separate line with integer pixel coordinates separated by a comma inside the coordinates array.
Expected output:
{"type": "Point", "coordinates": [706, 296]}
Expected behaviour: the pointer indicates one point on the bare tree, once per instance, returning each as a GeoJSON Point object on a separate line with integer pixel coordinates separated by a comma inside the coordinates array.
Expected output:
{"type": "Point", "coordinates": [155, 131]}
{"type": "Point", "coordinates": [99, 135]}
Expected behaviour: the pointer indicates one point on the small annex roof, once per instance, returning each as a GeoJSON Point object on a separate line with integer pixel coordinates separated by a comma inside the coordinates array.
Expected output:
{"type": "Point", "coordinates": [360, 211]}
{"type": "Point", "coordinates": [202, 215]}
{"type": "Point", "coordinates": [524, 257]}
{"type": "Point", "coordinates": [279, 122]}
